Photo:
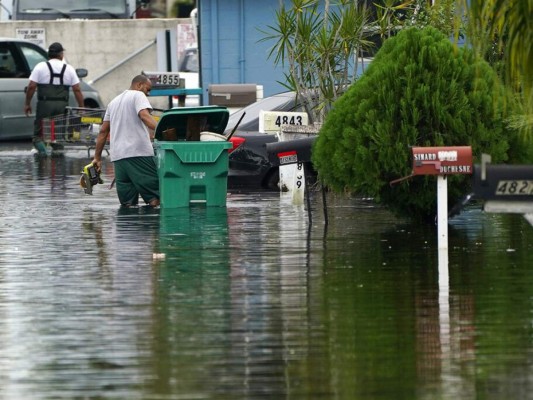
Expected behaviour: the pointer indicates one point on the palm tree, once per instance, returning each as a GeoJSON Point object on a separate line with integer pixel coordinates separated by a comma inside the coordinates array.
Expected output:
{"type": "Point", "coordinates": [510, 22]}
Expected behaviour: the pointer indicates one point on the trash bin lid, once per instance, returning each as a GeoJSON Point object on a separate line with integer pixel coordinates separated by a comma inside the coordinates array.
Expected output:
{"type": "Point", "coordinates": [205, 118]}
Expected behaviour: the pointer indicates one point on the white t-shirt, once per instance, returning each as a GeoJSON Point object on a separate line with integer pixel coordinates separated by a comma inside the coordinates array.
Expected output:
{"type": "Point", "coordinates": [129, 136]}
{"type": "Point", "coordinates": [41, 73]}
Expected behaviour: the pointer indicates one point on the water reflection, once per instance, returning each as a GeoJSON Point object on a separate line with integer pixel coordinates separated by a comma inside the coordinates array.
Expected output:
{"type": "Point", "coordinates": [252, 300]}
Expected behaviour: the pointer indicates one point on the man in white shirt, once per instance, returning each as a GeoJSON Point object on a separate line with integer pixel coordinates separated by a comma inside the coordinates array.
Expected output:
{"type": "Point", "coordinates": [52, 80]}
{"type": "Point", "coordinates": [129, 122]}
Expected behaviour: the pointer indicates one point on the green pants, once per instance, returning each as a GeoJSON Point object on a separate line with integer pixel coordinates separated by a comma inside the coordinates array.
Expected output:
{"type": "Point", "coordinates": [47, 109]}
{"type": "Point", "coordinates": [136, 176]}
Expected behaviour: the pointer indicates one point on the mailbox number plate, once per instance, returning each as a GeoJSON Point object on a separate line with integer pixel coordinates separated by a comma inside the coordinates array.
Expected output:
{"type": "Point", "coordinates": [163, 78]}
{"type": "Point", "coordinates": [513, 188]}
{"type": "Point", "coordinates": [167, 79]}
{"type": "Point", "coordinates": [289, 157]}
{"type": "Point", "coordinates": [271, 121]}
{"type": "Point", "coordinates": [288, 120]}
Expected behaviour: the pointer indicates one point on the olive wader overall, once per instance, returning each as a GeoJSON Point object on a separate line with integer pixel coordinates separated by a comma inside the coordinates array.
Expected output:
{"type": "Point", "coordinates": [51, 101]}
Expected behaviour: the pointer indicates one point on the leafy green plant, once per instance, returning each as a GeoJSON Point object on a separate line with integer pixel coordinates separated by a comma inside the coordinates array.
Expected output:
{"type": "Point", "coordinates": [319, 48]}
{"type": "Point", "coordinates": [420, 90]}
{"type": "Point", "coordinates": [509, 26]}
{"type": "Point", "coordinates": [442, 15]}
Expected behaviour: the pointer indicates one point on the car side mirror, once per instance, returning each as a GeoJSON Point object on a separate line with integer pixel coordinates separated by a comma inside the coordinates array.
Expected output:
{"type": "Point", "coordinates": [81, 72]}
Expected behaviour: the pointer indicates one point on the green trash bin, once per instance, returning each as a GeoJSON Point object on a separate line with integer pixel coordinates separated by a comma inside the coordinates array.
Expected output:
{"type": "Point", "coordinates": [192, 170]}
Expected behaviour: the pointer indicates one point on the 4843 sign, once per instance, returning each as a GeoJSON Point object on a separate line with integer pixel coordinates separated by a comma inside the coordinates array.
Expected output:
{"type": "Point", "coordinates": [272, 121]}
{"type": "Point", "coordinates": [288, 120]}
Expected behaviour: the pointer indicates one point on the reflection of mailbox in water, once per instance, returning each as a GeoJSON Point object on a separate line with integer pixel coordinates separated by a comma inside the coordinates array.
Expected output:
{"type": "Point", "coordinates": [442, 160]}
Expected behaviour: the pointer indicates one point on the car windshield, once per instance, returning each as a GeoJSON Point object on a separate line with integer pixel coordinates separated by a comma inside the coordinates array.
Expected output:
{"type": "Point", "coordinates": [280, 102]}
{"type": "Point", "coordinates": [32, 54]}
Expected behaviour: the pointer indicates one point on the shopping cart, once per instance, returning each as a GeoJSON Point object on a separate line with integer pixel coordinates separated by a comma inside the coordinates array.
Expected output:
{"type": "Point", "coordinates": [76, 128]}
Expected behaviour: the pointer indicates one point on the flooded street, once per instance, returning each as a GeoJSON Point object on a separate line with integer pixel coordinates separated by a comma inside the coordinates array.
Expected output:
{"type": "Point", "coordinates": [252, 301]}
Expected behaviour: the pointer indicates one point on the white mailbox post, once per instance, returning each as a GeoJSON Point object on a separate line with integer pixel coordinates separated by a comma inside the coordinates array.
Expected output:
{"type": "Point", "coordinates": [442, 161]}
{"type": "Point", "coordinates": [291, 175]}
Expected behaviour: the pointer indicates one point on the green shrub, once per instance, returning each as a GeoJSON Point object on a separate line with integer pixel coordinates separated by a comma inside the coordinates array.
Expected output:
{"type": "Point", "coordinates": [420, 90]}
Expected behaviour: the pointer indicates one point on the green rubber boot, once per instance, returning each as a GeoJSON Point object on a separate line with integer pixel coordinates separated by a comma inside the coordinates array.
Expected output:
{"type": "Point", "coordinates": [39, 145]}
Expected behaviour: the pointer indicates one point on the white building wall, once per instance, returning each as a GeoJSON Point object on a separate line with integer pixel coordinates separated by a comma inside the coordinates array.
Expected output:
{"type": "Point", "coordinates": [99, 45]}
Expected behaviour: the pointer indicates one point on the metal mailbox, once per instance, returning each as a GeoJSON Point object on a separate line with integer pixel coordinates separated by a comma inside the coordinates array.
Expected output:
{"type": "Point", "coordinates": [442, 160]}
{"type": "Point", "coordinates": [503, 182]}
{"type": "Point", "coordinates": [232, 95]}
{"type": "Point", "coordinates": [290, 151]}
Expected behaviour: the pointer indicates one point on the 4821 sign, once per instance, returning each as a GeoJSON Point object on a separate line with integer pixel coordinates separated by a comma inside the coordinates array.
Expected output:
{"type": "Point", "coordinates": [514, 187]}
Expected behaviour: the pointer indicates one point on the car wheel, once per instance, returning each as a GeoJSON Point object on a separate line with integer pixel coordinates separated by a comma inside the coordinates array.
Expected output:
{"type": "Point", "coordinates": [89, 103]}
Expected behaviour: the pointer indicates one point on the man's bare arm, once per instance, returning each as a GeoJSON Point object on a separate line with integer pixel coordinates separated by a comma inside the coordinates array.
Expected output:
{"type": "Point", "coordinates": [30, 90]}
{"type": "Point", "coordinates": [101, 140]}
{"type": "Point", "coordinates": [76, 89]}
{"type": "Point", "coordinates": [148, 120]}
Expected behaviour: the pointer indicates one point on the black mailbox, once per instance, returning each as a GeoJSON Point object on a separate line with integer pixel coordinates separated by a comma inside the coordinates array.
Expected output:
{"type": "Point", "coordinates": [232, 95]}
{"type": "Point", "coordinates": [290, 151]}
{"type": "Point", "coordinates": [503, 182]}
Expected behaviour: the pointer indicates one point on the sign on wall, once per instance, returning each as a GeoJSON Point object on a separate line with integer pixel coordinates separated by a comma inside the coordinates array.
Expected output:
{"type": "Point", "coordinates": [34, 35]}
{"type": "Point", "coordinates": [185, 38]}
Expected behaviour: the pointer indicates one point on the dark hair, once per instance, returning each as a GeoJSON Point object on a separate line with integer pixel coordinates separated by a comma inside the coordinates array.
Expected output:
{"type": "Point", "coordinates": [139, 79]}
{"type": "Point", "coordinates": [55, 50]}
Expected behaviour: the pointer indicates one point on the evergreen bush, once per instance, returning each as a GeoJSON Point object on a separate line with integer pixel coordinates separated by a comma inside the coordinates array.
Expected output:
{"type": "Point", "coordinates": [420, 90]}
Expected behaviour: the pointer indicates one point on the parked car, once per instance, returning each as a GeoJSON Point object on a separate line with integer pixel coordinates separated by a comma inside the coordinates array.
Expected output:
{"type": "Point", "coordinates": [249, 165]}
{"type": "Point", "coordinates": [17, 59]}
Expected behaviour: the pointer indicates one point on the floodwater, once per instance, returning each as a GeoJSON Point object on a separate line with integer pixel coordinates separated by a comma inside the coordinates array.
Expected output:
{"type": "Point", "coordinates": [254, 300]}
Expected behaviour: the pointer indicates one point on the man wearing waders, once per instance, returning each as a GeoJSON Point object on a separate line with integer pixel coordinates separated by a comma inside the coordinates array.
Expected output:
{"type": "Point", "coordinates": [52, 79]}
